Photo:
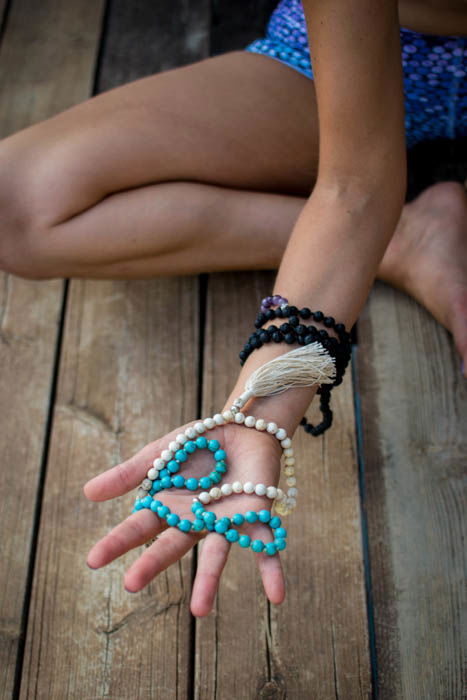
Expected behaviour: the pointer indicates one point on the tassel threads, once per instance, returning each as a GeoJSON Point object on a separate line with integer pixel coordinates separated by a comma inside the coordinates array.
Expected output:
{"type": "Point", "coordinates": [303, 367]}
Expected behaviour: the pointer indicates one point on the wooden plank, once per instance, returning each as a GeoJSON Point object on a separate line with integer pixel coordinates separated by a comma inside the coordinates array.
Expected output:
{"type": "Point", "coordinates": [35, 83]}
{"type": "Point", "coordinates": [315, 644]}
{"type": "Point", "coordinates": [414, 411]}
{"type": "Point", "coordinates": [124, 380]}
{"type": "Point", "coordinates": [87, 637]}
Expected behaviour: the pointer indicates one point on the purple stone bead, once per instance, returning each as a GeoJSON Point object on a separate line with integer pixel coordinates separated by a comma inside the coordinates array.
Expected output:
{"type": "Point", "coordinates": [277, 299]}
{"type": "Point", "coordinates": [266, 302]}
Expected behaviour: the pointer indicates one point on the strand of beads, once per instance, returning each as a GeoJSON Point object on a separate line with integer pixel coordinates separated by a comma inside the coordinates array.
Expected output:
{"type": "Point", "coordinates": [163, 475]}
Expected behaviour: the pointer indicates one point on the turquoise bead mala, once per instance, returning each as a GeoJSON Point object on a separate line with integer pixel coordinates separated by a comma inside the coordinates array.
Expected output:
{"type": "Point", "coordinates": [168, 477]}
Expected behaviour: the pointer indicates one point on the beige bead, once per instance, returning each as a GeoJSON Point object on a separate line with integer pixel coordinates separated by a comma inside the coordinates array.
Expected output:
{"type": "Point", "coordinates": [260, 424]}
{"type": "Point", "coordinates": [209, 423]}
{"type": "Point", "coordinates": [153, 474]}
{"type": "Point", "coordinates": [281, 508]}
{"type": "Point", "coordinates": [288, 452]}
{"type": "Point", "coordinates": [250, 421]}
{"type": "Point", "coordinates": [237, 487]}
{"type": "Point", "coordinates": [289, 471]}
{"type": "Point", "coordinates": [291, 481]}
{"type": "Point", "coordinates": [292, 493]}
{"type": "Point", "coordinates": [215, 493]}
{"type": "Point", "coordinates": [146, 484]}
{"type": "Point", "coordinates": [227, 416]}
{"type": "Point", "coordinates": [204, 497]}
{"type": "Point", "coordinates": [289, 461]}
{"type": "Point", "coordinates": [272, 428]}
{"type": "Point", "coordinates": [286, 443]}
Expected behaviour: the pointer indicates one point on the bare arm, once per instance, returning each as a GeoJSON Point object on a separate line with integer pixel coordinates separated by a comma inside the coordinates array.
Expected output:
{"type": "Point", "coordinates": [342, 232]}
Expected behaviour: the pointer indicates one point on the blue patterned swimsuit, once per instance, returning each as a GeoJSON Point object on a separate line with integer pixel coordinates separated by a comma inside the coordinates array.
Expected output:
{"type": "Point", "coordinates": [435, 67]}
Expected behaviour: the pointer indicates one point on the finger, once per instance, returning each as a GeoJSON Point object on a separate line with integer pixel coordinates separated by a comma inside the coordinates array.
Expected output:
{"type": "Point", "coordinates": [270, 568]}
{"type": "Point", "coordinates": [212, 559]}
{"type": "Point", "coordinates": [166, 550]}
{"type": "Point", "coordinates": [124, 477]}
{"type": "Point", "coordinates": [134, 531]}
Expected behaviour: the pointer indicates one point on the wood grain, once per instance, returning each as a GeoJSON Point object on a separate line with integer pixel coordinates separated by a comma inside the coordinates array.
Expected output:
{"type": "Point", "coordinates": [128, 374]}
{"type": "Point", "coordinates": [414, 410]}
{"type": "Point", "coordinates": [46, 59]}
{"type": "Point", "coordinates": [315, 644]}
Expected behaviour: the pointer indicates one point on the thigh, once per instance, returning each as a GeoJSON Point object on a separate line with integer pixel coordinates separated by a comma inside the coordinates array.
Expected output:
{"type": "Point", "coordinates": [238, 120]}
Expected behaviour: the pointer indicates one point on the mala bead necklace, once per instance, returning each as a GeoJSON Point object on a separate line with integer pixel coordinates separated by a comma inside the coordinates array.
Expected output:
{"type": "Point", "coordinates": [302, 367]}
{"type": "Point", "coordinates": [295, 332]}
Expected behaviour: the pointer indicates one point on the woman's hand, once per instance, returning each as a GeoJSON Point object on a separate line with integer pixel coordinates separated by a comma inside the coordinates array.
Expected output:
{"type": "Point", "coordinates": [251, 456]}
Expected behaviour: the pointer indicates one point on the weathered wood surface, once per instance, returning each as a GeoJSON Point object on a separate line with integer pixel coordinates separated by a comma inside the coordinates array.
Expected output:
{"type": "Point", "coordinates": [315, 644]}
{"type": "Point", "coordinates": [414, 411]}
{"type": "Point", "coordinates": [46, 61]}
{"type": "Point", "coordinates": [119, 372]}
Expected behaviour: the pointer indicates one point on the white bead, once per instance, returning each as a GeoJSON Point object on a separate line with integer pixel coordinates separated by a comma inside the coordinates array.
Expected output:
{"type": "Point", "coordinates": [286, 443]}
{"type": "Point", "coordinates": [271, 492]}
{"type": "Point", "coordinates": [181, 438]}
{"type": "Point", "coordinates": [199, 427]}
{"type": "Point", "coordinates": [260, 424]}
{"type": "Point", "coordinates": [272, 428]}
{"type": "Point", "coordinates": [291, 502]}
{"type": "Point", "coordinates": [226, 489]}
{"type": "Point", "coordinates": [281, 434]}
{"type": "Point", "coordinates": [289, 471]}
{"type": "Point", "coordinates": [166, 455]}
{"type": "Point", "coordinates": [239, 417]}
{"type": "Point", "coordinates": [153, 473]}
{"type": "Point", "coordinates": [248, 487]}
{"type": "Point", "coordinates": [142, 493]}
{"type": "Point", "coordinates": [158, 463]}
{"type": "Point", "coordinates": [288, 452]}
{"type": "Point", "coordinates": [191, 433]}
{"type": "Point", "coordinates": [260, 490]}
{"type": "Point", "coordinates": [146, 484]}
{"type": "Point", "coordinates": [204, 497]}
{"type": "Point", "coordinates": [237, 487]}
{"type": "Point", "coordinates": [250, 421]}
{"type": "Point", "coordinates": [227, 416]}
{"type": "Point", "coordinates": [280, 494]}
{"type": "Point", "coordinates": [292, 492]}
{"type": "Point", "coordinates": [209, 423]}
{"type": "Point", "coordinates": [289, 461]}
{"type": "Point", "coordinates": [215, 493]}
{"type": "Point", "coordinates": [291, 481]}
{"type": "Point", "coordinates": [218, 419]}
{"type": "Point", "coordinates": [174, 446]}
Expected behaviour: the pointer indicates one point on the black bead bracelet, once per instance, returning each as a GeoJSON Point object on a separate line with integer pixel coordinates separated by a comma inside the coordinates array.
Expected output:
{"type": "Point", "coordinates": [295, 332]}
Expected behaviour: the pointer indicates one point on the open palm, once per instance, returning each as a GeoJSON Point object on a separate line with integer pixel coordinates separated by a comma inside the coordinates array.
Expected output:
{"type": "Point", "coordinates": [251, 456]}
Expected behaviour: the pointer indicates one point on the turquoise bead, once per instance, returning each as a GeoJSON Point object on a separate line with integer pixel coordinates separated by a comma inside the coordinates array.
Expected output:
{"type": "Point", "coordinates": [181, 455]}
{"type": "Point", "coordinates": [166, 482]}
{"type": "Point", "coordinates": [280, 532]}
{"type": "Point", "coordinates": [173, 466]}
{"type": "Point", "coordinates": [257, 546]}
{"type": "Point", "coordinates": [270, 548]}
{"type": "Point", "coordinates": [280, 543]}
{"type": "Point", "coordinates": [221, 467]}
{"type": "Point", "coordinates": [201, 442]}
{"type": "Point", "coordinates": [221, 527]}
{"type": "Point", "coordinates": [138, 505]}
{"type": "Point", "coordinates": [264, 516]}
{"type": "Point", "coordinates": [215, 477]}
{"type": "Point", "coordinates": [231, 535]}
{"type": "Point", "coordinates": [213, 445]}
{"type": "Point", "coordinates": [191, 484]}
{"type": "Point", "coordinates": [251, 516]}
{"type": "Point", "coordinates": [219, 454]}
{"type": "Point", "coordinates": [155, 505]}
{"type": "Point", "coordinates": [238, 519]}
{"type": "Point", "coordinates": [198, 524]}
{"type": "Point", "coordinates": [244, 540]}
{"type": "Point", "coordinates": [164, 472]}
{"type": "Point", "coordinates": [184, 525]}
{"type": "Point", "coordinates": [163, 511]}
{"type": "Point", "coordinates": [173, 519]}
{"type": "Point", "coordinates": [156, 485]}
{"type": "Point", "coordinates": [209, 517]}
{"type": "Point", "coordinates": [146, 501]}
{"type": "Point", "coordinates": [275, 522]}
{"type": "Point", "coordinates": [178, 481]}
{"type": "Point", "coordinates": [189, 446]}
{"type": "Point", "coordinates": [205, 482]}
{"type": "Point", "coordinates": [152, 491]}
{"type": "Point", "coordinates": [196, 507]}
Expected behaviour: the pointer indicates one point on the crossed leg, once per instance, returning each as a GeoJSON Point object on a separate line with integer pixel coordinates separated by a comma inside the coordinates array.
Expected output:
{"type": "Point", "coordinates": [200, 168]}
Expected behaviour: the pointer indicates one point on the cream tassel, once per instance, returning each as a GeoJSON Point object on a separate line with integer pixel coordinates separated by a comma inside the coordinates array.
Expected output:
{"type": "Point", "coordinates": [302, 367]}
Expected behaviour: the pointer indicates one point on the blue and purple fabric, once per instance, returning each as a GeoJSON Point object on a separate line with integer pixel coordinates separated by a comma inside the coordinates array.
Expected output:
{"type": "Point", "coordinates": [435, 70]}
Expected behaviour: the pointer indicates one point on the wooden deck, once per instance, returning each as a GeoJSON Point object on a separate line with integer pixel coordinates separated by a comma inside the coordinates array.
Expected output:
{"type": "Point", "coordinates": [375, 589]}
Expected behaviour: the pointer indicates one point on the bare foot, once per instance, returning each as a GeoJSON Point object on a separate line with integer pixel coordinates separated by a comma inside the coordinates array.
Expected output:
{"type": "Point", "coordinates": [427, 257]}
